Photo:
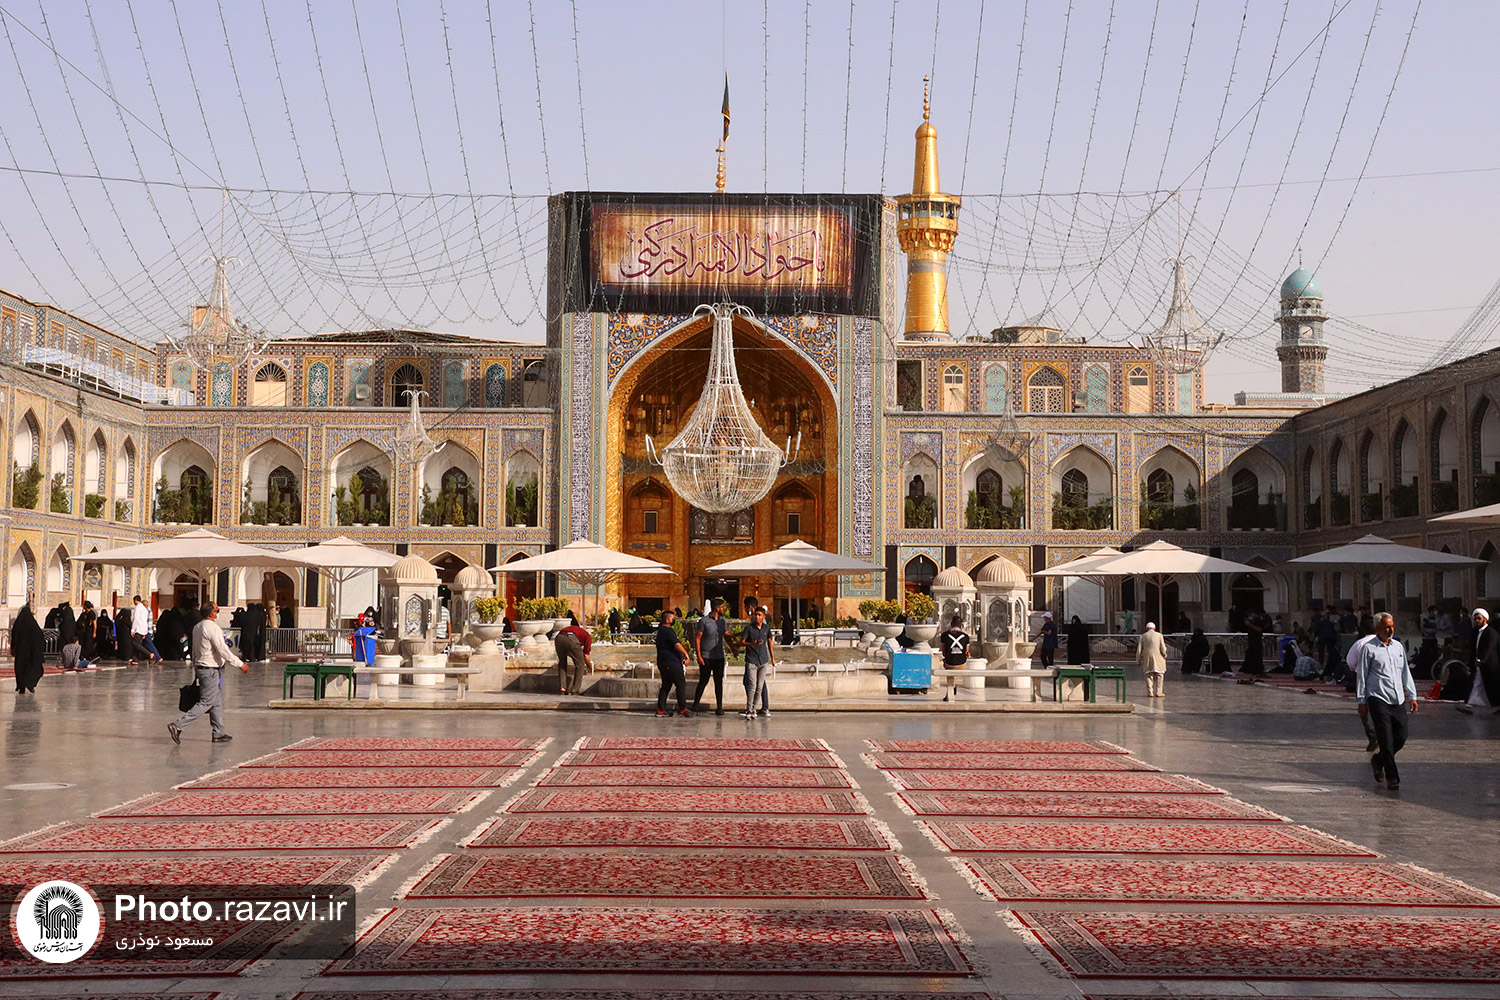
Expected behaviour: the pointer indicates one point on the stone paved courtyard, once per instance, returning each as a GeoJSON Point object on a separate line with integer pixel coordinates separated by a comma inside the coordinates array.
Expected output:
{"type": "Point", "coordinates": [1300, 756]}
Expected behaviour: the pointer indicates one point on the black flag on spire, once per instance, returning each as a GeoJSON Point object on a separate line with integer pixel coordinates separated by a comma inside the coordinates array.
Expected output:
{"type": "Point", "coordinates": [726, 107]}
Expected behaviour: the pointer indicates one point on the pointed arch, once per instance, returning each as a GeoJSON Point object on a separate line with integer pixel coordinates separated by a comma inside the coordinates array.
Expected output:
{"type": "Point", "coordinates": [996, 387]}
{"type": "Point", "coordinates": [269, 385]}
{"type": "Point", "coordinates": [994, 491]}
{"type": "Point", "coordinates": [1484, 452]}
{"type": "Point", "coordinates": [921, 487]}
{"type": "Point", "coordinates": [59, 572]}
{"type": "Point", "coordinates": [649, 509]}
{"type": "Point", "coordinates": [26, 442]}
{"type": "Point", "coordinates": [917, 575]}
{"type": "Point", "coordinates": [794, 514]}
{"type": "Point", "coordinates": [271, 480]}
{"type": "Point", "coordinates": [451, 487]}
{"type": "Point", "coordinates": [407, 378]}
{"type": "Point", "coordinates": [125, 481]}
{"type": "Point", "coordinates": [523, 483]}
{"type": "Point", "coordinates": [1082, 483]}
{"type": "Point", "coordinates": [1047, 391]}
{"type": "Point", "coordinates": [369, 501]}
{"type": "Point", "coordinates": [494, 385]}
{"type": "Point", "coordinates": [1371, 506]}
{"type": "Point", "coordinates": [1340, 483]}
{"type": "Point", "coordinates": [1442, 462]}
{"type": "Point", "coordinates": [319, 383]}
{"type": "Point", "coordinates": [1256, 498]}
{"type": "Point", "coordinates": [20, 585]}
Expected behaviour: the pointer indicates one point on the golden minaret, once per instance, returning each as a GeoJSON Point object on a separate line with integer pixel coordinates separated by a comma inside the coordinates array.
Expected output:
{"type": "Point", "coordinates": [928, 227]}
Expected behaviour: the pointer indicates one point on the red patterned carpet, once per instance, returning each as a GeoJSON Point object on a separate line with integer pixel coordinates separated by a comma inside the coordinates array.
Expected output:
{"type": "Point", "coordinates": [1198, 881]}
{"type": "Point", "coordinates": [1021, 836]}
{"type": "Point", "coordinates": [675, 776]}
{"type": "Point", "coordinates": [677, 831]}
{"type": "Point", "coordinates": [628, 939]}
{"type": "Point", "coordinates": [1008, 762]}
{"type": "Point", "coordinates": [698, 758]}
{"type": "Point", "coordinates": [408, 743]}
{"type": "Point", "coordinates": [357, 777]}
{"type": "Point", "coordinates": [320, 802]}
{"type": "Point", "coordinates": [217, 835]}
{"type": "Point", "coordinates": [683, 876]}
{"type": "Point", "coordinates": [641, 994]}
{"type": "Point", "coordinates": [1366, 948]}
{"type": "Point", "coordinates": [1148, 782]}
{"type": "Point", "coordinates": [617, 800]}
{"type": "Point", "coordinates": [238, 870]}
{"type": "Point", "coordinates": [997, 746]}
{"type": "Point", "coordinates": [235, 948]}
{"type": "Point", "coordinates": [393, 758]}
{"type": "Point", "coordinates": [1084, 805]}
{"type": "Point", "coordinates": [693, 743]}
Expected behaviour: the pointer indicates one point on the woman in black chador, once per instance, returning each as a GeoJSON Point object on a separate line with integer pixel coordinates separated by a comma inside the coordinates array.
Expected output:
{"type": "Point", "coordinates": [1078, 642]}
{"type": "Point", "coordinates": [26, 644]}
{"type": "Point", "coordinates": [1197, 650]}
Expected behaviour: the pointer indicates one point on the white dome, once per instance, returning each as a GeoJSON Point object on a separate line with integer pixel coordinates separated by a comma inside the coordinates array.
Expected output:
{"type": "Point", "coordinates": [953, 578]}
{"type": "Point", "coordinates": [1000, 571]}
{"type": "Point", "coordinates": [471, 577]}
{"type": "Point", "coordinates": [414, 569]}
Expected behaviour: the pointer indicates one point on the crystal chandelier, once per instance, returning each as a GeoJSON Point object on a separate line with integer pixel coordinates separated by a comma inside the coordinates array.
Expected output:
{"type": "Point", "coordinates": [214, 334]}
{"type": "Point", "coordinates": [722, 461]}
{"type": "Point", "coordinates": [411, 444]}
{"type": "Point", "coordinates": [1182, 344]}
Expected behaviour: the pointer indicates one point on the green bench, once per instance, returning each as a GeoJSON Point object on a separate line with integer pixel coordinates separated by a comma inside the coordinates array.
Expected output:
{"type": "Point", "coordinates": [1091, 676]}
{"type": "Point", "coordinates": [321, 672]}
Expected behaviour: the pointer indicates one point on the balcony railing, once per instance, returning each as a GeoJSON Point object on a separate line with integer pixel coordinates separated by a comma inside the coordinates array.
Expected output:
{"type": "Point", "coordinates": [1171, 517]}
{"type": "Point", "coordinates": [1444, 496]}
{"type": "Point", "coordinates": [1486, 490]}
{"type": "Point", "coordinates": [1405, 501]}
{"type": "Point", "coordinates": [1076, 517]}
{"type": "Point", "coordinates": [1268, 516]}
{"type": "Point", "coordinates": [1339, 509]}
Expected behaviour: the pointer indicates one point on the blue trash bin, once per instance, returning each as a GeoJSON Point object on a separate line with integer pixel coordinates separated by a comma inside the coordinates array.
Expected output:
{"type": "Point", "coordinates": [911, 671]}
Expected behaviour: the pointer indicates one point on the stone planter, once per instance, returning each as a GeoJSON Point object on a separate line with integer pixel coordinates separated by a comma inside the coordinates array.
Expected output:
{"type": "Point", "coordinates": [879, 632]}
{"type": "Point", "coordinates": [389, 665]}
{"type": "Point", "coordinates": [528, 631]}
{"type": "Point", "coordinates": [388, 646]}
{"type": "Point", "coordinates": [428, 660]}
{"type": "Point", "coordinates": [488, 631]}
{"type": "Point", "coordinates": [1025, 649]}
{"type": "Point", "coordinates": [558, 624]}
{"type": "Point", "coordinates": [922, 635]}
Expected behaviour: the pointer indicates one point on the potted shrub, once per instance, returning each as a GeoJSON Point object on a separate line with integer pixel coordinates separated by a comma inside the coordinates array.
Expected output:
{"type": "Point", "coordinates": [488, 611]}
{"type": "Point", "coordinates": [93, 505]}
{"type": "Point", "coordinates": [921, 629]}
{"type": "Point", "coordinates": [881, 619]}
{"type": "Point", "coordinates": [60, 504]}
{"type": "Point", "coordinates": [122, 510]}
{"type": "Point", "coordinates": [534, 619]}
{"type": "Point", "coordinates": [25, 483]}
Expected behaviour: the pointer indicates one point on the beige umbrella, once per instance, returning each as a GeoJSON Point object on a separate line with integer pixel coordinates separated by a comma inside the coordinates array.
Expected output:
{"type": "Point", "coordinates": [1161, 560]}
{"type": "Point", "coordinates": [200, 552]}
{"type": "Point", "coordinates": [1083, 567]}
{"type": "Point", "coordinates": [585, 563]}
{"type": "Point", "coordinates": [342, 559]}
{"type": "Point", "coordinates": [795, 564]}
{"type": "Point", "coordinates": [1477, 515]}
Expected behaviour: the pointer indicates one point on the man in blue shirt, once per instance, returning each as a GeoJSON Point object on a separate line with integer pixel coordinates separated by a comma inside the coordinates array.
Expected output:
{"type": "Point", "coordinates": [1384, 689]}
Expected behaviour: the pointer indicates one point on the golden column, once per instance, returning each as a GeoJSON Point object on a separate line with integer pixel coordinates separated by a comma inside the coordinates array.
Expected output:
{"type": "Point", "coordinates": [928, 227]}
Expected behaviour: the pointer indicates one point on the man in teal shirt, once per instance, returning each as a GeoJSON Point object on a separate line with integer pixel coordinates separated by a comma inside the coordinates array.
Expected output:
{"type": "Point", "coordinates": [1384, 690]}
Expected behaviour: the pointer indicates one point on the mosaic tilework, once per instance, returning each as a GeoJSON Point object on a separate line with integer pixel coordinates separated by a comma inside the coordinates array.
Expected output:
{"type": "Point", "coordinates": [581, 493]}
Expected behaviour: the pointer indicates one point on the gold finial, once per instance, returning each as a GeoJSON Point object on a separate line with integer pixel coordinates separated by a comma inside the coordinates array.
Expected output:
{"type": "Point", "coordinates": [926, 98]}
{"type": "Point", "coordinates": [719, 180]}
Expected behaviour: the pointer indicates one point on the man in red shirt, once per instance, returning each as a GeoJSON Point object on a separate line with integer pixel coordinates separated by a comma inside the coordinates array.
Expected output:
{"type": "Point", "coordinates": [573, 645]}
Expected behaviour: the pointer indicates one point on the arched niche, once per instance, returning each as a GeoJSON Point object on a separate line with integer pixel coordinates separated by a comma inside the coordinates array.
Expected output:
{"type": "Point", "coordinates": [1256, 497]}
{"type": "Point", "coordinates": [269, 385]}
{"type": "Point", "coordinates": [994, 492]}
{"type": "Point", "coordinates": [369, 500]}
{"type": "Point", "coordinates": [1082, 484]}
{"type": "Point", "coordinates": [451, 488]}
{"type": "Point", "coordinates": [1171, 490]}
{"type": "Point", "coordinates": [921, 490]}
{"type": "Point", "coordinates": [794, 514]}
{"type": "Point", "coordinates": [523, 490]}
{"type": "Point", "coordinates": [184, 476]}
{"type": "Point", "coordinates": [21, 577]}
{"type": "Point", "coordinates": [272, 475]}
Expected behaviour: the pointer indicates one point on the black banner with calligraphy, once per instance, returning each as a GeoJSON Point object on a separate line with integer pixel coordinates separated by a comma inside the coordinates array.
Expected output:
{"type": "Point", "coordinates": [776, 254]}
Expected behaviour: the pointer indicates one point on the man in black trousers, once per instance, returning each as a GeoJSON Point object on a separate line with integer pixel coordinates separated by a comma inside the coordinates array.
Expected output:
{"type": "Point", "coordinates": [671, 661]}
{"type": "Point", "coordinates": [1386, 694]}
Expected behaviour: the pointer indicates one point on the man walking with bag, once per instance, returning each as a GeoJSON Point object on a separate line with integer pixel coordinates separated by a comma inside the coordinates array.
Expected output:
{"type": "Point", "coordinates": [211, 654]}
{"type": "Point", "coordinates": [1386, 694]}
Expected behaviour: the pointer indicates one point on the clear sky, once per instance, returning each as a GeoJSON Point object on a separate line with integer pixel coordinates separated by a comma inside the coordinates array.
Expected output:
{"type": "Point", "coordinates": [1065, 128]}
